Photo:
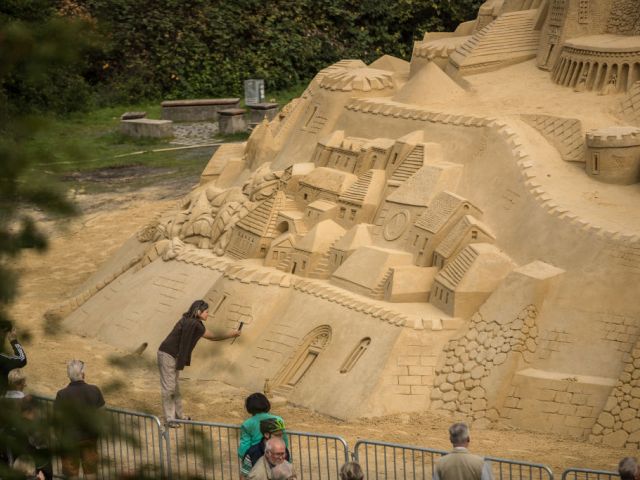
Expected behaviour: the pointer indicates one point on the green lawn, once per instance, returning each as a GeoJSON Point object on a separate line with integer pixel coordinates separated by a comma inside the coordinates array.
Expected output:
{"type": "Point", "coordinates": [83, 143]}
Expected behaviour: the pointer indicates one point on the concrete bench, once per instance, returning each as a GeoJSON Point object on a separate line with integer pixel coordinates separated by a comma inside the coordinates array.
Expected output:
{"type": "Point", "coordinates": [231, 121]}
{"type": "Point", "coordinates": [196, 110]}
{"type": "Point", "coordinates": [260, 111]}
{"type": "Point", "coordinates": [133, 115]}
{"type": "Point", "coordinates": [146, 128]}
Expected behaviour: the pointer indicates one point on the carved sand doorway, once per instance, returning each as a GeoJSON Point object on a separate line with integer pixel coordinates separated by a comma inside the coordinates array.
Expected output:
{"type": "Point", "coordinates": [299, 364]}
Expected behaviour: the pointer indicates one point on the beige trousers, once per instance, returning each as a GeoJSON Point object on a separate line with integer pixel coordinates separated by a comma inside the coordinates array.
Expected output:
{"type": "Point", "coordinates": [171, 399]}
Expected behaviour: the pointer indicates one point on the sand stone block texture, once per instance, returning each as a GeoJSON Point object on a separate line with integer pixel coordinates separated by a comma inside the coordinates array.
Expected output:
{"type": "Point", "coordinates": [459, 232]}
{"type": "Point", "coordinates": [147, 128]}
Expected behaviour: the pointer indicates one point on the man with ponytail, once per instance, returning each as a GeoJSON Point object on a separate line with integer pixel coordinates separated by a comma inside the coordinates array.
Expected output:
{"type": "Point", "coordinates": [174, 354]}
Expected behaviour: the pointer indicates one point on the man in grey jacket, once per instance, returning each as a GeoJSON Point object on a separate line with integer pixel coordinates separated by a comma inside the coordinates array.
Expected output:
{"type": "Point", "coordinates": [460, 464]}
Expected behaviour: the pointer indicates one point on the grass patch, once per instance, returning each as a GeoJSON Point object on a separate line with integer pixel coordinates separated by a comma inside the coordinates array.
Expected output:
{"type": "Point", "coordinates": [91, 141]}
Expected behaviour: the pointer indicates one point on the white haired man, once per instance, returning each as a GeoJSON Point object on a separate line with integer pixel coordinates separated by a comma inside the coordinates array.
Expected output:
{"type": "Point", "coordinates": [628, 469]}
{"type": "Point", "coordinates": [16, 384]}
{"type": "Point", "coordinates": [77, 408]}
{"type": "Point", "coordinates": [459, 464]}
{"type": "Point", "coordinates": [273, 466]}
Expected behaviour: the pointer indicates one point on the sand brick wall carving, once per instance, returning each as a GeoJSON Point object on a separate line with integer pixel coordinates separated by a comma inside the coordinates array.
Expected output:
{"type": "Point", "coordinates": [618, 425]}
{"type": "Point", "coordinates": [468, 360]}
{"type": "Point", "coordinates": [630, 106]}
{"type": "Point", "coordinates": [563, 405]}
{"type": "Point", "coordinates": [565, 134]}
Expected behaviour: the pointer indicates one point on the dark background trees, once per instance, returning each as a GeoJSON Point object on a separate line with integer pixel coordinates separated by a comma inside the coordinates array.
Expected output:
{"type": "Point", "coordinates": [148, 49]}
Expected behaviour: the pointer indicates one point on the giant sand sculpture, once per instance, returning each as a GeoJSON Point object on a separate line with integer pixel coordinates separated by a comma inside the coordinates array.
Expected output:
{"type": "Point", "coordinates": [460, 232]}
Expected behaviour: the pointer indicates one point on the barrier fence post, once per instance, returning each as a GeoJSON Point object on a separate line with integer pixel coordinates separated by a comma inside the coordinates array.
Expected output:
{"type": "Point", "coordinates": [588, 474]}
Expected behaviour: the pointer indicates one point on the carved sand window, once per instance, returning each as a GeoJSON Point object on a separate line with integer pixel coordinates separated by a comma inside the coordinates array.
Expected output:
{"type": "Point", "coordinates": [313, 113]}
{"type": "Point", "coordinates": [596, 163]}
{"type": "Point", "coordinates": [217, 307]}
{"type": "Point", "coordinates": [583, 11]}
{"type": "Point", "coordinates": [355, 355]}
{"type": "Point", "coordinates": [474, 234]}
{"type": "Point", "coordinates": [315, 342]}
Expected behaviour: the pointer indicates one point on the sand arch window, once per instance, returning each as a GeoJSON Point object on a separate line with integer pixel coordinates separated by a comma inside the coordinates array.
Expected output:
{"type": "Point", "coordinates": [314, 343]}
{"type": "Point", "coordinates": [355, 355]}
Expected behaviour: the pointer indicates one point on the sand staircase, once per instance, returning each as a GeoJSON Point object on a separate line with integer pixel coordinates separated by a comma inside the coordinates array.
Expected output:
{"type": "Point", "coordinates": [408, 167]}
{"type": "Point", "coordinates": [322, 268]}
{"type": "Point", "coordinates": [378, 292]}
{"type": "Point", "coordinates": [284, 264]}
{"type": "Point", "coordinates": [455, 270]}
{"type": "Point", "coordinates": [510, 38]}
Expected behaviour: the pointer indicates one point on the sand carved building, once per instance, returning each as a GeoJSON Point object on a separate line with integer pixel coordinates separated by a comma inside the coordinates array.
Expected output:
{"type": "Point", "coordinates": [459, 232]}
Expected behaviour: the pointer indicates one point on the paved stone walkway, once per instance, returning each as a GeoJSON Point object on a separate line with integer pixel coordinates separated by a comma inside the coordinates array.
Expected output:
{"type": "Point", "coordinates": [194, 133]}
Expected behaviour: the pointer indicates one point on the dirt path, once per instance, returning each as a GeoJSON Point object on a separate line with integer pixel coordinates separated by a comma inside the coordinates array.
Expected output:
{"type": "Point", "coordinates": [81, 245]}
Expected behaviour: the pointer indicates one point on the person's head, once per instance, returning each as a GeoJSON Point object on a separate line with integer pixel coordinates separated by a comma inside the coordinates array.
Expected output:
{"type": "Point", "coordinates": [257, 403]}
{"type": "Point", "coordinates": [351, 471]}
{"type": "Point", "coordinates": [5, 327]}
{"type": "Point", "coordinates": [17, 380]}
{"type": "Point", "coordinates": [75, 370]}
{"type": "Point", "coordinates": [272, 427]}
{"type": "Point", "coordinates": [275, 451]}
{"type": "Point", "coordinates": [628, 468]}
{"type": "Point", "coordinates": [283, 471]}
{"type": "Point", "coordinates": [459, 434]}
{"type": "Point", "coordinates": [198, 309]}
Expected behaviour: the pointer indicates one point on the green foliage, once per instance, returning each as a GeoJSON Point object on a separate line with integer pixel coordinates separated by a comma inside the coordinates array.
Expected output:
{"type": "Point", "coordinates": [192, 48]}
{"type": "Point", "coordinates": [33, 46]}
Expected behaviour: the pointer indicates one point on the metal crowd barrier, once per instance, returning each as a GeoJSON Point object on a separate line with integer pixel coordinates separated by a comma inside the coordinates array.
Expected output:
{"type": "Point", "coordinates": [587, 474]}
{"type": "Point", "coordinates": [135, 445]}
{"type": "Point", "coordinates": [395, 461]}
{"type": "Point", "coordinates": [131, 446]}
{"type": "Point", "coordinates": [209, 451]}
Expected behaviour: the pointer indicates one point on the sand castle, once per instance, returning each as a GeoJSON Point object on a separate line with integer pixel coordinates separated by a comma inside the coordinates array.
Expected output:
{"type": "Point", "coordinates": [460, 232]}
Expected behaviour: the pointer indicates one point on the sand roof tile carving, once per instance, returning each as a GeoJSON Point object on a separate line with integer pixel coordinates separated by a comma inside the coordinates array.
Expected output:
{"type": "Point", "coordinates": [440, 210]}
{"type": "Point", "coordinates": [329, 179]}
{"type": "Point", "coordinates": [368, 266]}
{"type": "Point", "coordinates": [320, 237]}
{"type": "Point", "coordinates": [420, 189]}
{"type": "Point", "coordinates": [360, 79]}
{"type": "Point", "coordinates": [449, 244]}
{"type": "Point", "coordinates": [479, 267]}
{"type": "Point", "coordinates": [366, 189]}
{"type": "Point", "coordinates": [261, 220]}
{"type": "Point", "coordinates": [563, 133]}
{"type": "Point", "coordinates": [510, 38]}
{"type": "Point", "coordinates": [321, 205]}
{"type": "Point", "coordinates": [357, 236]}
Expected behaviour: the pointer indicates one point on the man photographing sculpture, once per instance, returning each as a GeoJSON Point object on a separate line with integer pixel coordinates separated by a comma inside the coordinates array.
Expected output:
{"type": "Point", "coordinates": [174, 354]}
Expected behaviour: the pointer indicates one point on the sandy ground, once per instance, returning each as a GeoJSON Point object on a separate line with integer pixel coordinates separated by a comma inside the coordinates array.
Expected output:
{"type": "Point", "coordinates": [77, 249]}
